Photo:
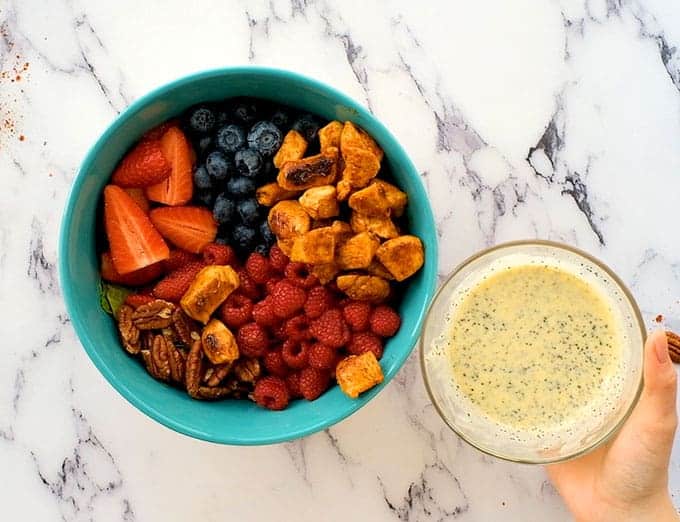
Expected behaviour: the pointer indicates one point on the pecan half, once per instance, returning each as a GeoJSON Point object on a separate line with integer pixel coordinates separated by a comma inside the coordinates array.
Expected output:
{"type": "Point", "coordinates": [213, 392]}
{"type": "Point", "coordinates": [160, 355]}
{"type": "Point", "coordinates": [193, 371]}
{"type": "Point", "coordinates": [155, 315]}
{"type": "Point", "coordinates": [247, 370]}
{"type": "Point", "coordinates": [216, 374]}
{"type": "Point", "coordinates": [148, 362]}
{"type": "Point", "coordinates": [673, 346]}
{"type": "Point", "coordinates": [129, 333]}
{"type": "Point", "coordinates": [184, 327]}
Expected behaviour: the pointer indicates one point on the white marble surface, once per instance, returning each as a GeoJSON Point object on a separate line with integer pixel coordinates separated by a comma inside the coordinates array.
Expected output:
{"type": "Point", "coordinates": [528, 118]}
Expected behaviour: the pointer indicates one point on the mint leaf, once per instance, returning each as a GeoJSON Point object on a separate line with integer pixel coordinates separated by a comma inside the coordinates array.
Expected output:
{"type": "Point", "coordinates": [111, 297]}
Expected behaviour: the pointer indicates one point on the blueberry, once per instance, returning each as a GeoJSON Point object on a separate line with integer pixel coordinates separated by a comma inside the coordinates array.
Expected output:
{"type": "Point", "coordinates": [268, 172]}
{"type": "Point", "coordinates": [266, 233]}
{"type": "Point", "coordinates": [204, 197]}
{"type": "Point", "coordinates": [243, 237]}
{"type": "Point", "coordinates": [221, 118]}
{"type": "Point", "coordinates": [245, 111]}
{"type": "Point", "coordinates": [265, 137]}
{"type": "Point", "coordinates": [261, 249]}
{"type": "Point", "coordinates": [223, 211]}
{"type": "Point", "coordinates": [240, 186]}
{"type": "Point", "coordinates": [248, 162]}
{"type": "Point", "coordinates": [201, 120]}
{"type": "Point", "coordinates": [221, 241]}
{"type": "Point", "coordinates": [204, 144]}
{"type": "Point", "coordinates": [248, 211]}
{"type": "Point", "coordinates": [308, 126]}
{"type": "Point", "coordinates": [230, 138]}
{"type": "Point", "coordinates": [202, 178]}
{"type": "Point", "coordinates": [280, 118]}
{"type": "Point", "coordinates": [218, 165]}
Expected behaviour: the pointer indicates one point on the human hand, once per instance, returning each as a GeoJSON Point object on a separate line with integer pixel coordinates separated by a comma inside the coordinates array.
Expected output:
{"type": "Point", "coordinates": [627, 478]}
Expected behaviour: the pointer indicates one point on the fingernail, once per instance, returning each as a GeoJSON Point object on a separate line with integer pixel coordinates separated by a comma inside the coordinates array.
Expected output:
{"type": "Point", "coordinates": [661, 349]}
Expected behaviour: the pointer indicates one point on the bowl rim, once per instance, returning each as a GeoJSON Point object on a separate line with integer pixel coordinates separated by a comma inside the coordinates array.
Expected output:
{"type": "Point", "coordinates": [429, 269]}
{"type": "Point", "coordinates": [559, 246]}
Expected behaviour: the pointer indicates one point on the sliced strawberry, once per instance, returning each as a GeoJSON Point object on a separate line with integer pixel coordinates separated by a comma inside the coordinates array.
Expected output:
{"type": "Point", "coordinates": [135, 243]}
{"type": "Point", "coordinates": [144, 165]}
{"type": "Point", "coordinates": [157, 132]}
{"type": "Point", "coordinates": [189, 228]}
{"type": "Point", "coordinates": [137, 278]}
{"type": "Point", "coordinates": [177, 188]}
{"type": "Point", "coordinates": [140, 198]}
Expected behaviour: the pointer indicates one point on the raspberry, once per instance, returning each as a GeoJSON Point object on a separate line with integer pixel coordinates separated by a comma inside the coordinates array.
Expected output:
{"type": "Point", "coordinates": [299, 274]}
{"type": "Point", "coordinates": [263, 313]}
{"type": "Point", "coordinates": [273, 362]}
{"type": "Point", "coordinates": [287, 299]}
{"type": "Point", "coordinates": [173, 286]}
{"type": "Point", "coordinates": [278, 259]}
{"type": "Point", "coordinates": [319, 299]}
{"type": "Point", "coordinates": [258, 267]}
{"type": "Point", "coordinates": [270, 284]}
{"type": "Point", "coordinates": [331, 329]}
{"type": "Point", "coordinates": [363, 342]}
{"type": "Point", "coordinates": [252, 340]}
{"type": "Point", "coordinates": [357, 314]}
{"type": "Point", "coordinates": [294, 354]}
{"type": "Point", "coordinates": [322, 356]}
{"type": "Point", "coordinates": [178, 258]}
{"type": "Point", "coordinates": [297, 329]}
{"type": "Point", "coordinates": [385, 321]}
{"type": "Point", "coordinates": [313, 382]}
{"type": "Point", "coordinates": [293, 383]}
{"type": "Point", "coordinates": [214, 254]}
{"type": "Point", "coordinates": [271, 393]}
{"type": "Point", "coordinates": [279, 331]}
{"type": "Point", "coordinates": [247, 285]}
{"type": "Point", "coordinates": [236, 311]}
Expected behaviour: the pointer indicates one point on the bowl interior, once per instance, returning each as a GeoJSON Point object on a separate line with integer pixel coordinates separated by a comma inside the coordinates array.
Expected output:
{"type": "Point", "coordinates": [230, 421]}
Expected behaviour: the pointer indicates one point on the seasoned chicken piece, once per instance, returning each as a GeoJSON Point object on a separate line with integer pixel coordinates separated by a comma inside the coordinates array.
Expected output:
{"type": "Point", "coordinates": [344, 189]}
{"type": "Point", "coordinates": [292, 149]}
{"type": "Point", "coordinates": [370, 201]}
{"type": "Point", "coordinates": [314, 247]}
{"type": "Point", "coordinates": [218, 343]}
{"type": "Point", "coordinates": [397, 199]}
{"type": "Point", "coordinates": [402, 256]}
{"type": "Point", "coordinates": [357, 252]}
{"type": "Point", "coordinates": [376, 268]}
{"type": "Point", "coordinates": [363, 287]}
{"type": "Point", "coordinates": [286, 245]}
{"type": "Point", "coordinates": [342, 231]}
{"type": "Point", "coordinates": [381, 226]}
{"type": "Point", "coordinates": [325, 272]}
{"type": "Point", "coordinates": [320, 202]}
{"type": "Point", "coordinates": [309, 172]}
{"type": "Point", "coordinates": [360, 167]}
{"type": "Point", "coordinates": [357, 373]}
{"type": "Point", "coordinates": [353, 136]}
{"type": "Point", "coordinates": [329, 136]}
{"type": "Point", "coordinates": [288, 219]}
{"type": "Point", "coordinates": [272, 193]}
{"type": "Point", "coordinates": [211, 286]}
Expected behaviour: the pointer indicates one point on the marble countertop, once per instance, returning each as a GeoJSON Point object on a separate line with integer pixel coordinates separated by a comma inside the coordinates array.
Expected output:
{"type": "Point", "coordinates": [554, 119]}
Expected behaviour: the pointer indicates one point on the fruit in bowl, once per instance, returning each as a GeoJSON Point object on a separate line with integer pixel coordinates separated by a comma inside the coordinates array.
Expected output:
{"type": "Point", "coordinates": [252, 247]}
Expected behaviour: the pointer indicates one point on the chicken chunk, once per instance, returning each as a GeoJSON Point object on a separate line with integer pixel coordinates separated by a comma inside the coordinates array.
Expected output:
{"type": "Point", "coordinates": [376, 268]}
{"type": "Point", "coordinates": [314, 247]}
{"type": "Point", "coordinates": [211, 286]}
{"type": "Point", "coordinates": [293, 148]}
{"type": "Point", "coordinates": [397, 199]}
{"type": "Point", "coordinates": [325, 272]}
{"type": "Point", "coordinates": [402, 256]}
{"type": "Point", "coordinates": [341, 230]}
{"type": "Point", "coordinates": [309, 172]}
{"type": "Point", "coordinates": [360, 167]}
{"type": "Point", "coordinates": [357, 373]}
{"type": "Point", "coordinates": [381, 226]}
{"type": "Point", "coordinates": [329, 136]}
{"type": "Point", "coordinates": [271, 193]}
{"type": "Point", "coordinates": [353, 136]}
{"type": "Point", "coordinates": [286, 245]}
{"type": "Point", "coordinates": [288, 219]}
{"type": "Point", "coordinates": [357, 252]}
{"type": "Point", "coordinates": [379, 199]}
{"type": "Point", "coordinates": [219, 344]}
{"type": "Point", "coordinates": [320, 202]}
{"type": "Point", "coordinates": [363, 287]}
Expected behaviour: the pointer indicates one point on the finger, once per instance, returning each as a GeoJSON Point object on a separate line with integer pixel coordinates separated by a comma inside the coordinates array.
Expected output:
{"type": "Point", "coordinates": [659, 392]}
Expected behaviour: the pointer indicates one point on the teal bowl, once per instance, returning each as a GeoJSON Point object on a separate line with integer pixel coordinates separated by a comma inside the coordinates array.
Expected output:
{"type": "Point", "coordinates": [229, 421]}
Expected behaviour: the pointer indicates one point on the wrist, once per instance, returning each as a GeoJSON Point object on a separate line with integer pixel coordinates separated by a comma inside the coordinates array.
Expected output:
{"type": "Point", "coordinates": [656, 508]}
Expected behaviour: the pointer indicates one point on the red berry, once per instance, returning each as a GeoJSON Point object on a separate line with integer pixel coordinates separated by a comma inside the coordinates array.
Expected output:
{"type": "Point", "coordinates": [293, 383]}
{"type": "Point", "coordinates": [331, 329]}
{"type": "Point", "coordinates": [287, 299]}
{"type": "Point", "coordinates": [270, 284]}
{"type": "Point", "coordinates": [273, 362]}
{"type": "Point", "coordinates": [385, 321]}
{"type": "Point", "coordinates": [278, 259]}
{"type": "Point", "coordinates": [363, 342]}
{"type": "Point", "coordinates": [295, 354]}
{"type": "Point", "coordinates": [297, 329]}
{"type": "Point", "coordinates": [259, 268]}
{"type": "Point", "coordinates": [279, 331]}
{"type": "Point", "coordinates": [299, 274]}
{"type": "Point", "coordinates": [247, 285]}
{"type": "Point", "coordinates": [271, 393]}
{"type": "Point", "coordinates": [313, 382]}
{"type": "Point", "coordinates": [357, 314]}
{"type": "Point", "coordinates": [137, 300]}
{"type": "Point", "coordinates": [252, 340]}
{"type": "Point", "coordinates": [319, 299]}
{"type": "Point", "coordinates": [179, 258]}
{"type": "Point", "coordinates": [173, 286]}
{"type": "Point", "coordinates": [322, 356]}
{"type": "Point", "coordinates": [236, 311]}
{"type": "Point", "coordinates": [263, 313]}
{"type": "Point", "coordinates": [214, 254]}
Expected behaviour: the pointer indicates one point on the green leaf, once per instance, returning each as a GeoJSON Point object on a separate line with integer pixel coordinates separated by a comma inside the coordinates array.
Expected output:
{"type": "Point", "coordinates": [111, 297]}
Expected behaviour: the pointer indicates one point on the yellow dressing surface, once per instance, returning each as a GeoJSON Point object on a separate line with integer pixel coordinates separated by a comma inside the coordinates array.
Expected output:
{"type": "Point", "coordinates": [531, 345]}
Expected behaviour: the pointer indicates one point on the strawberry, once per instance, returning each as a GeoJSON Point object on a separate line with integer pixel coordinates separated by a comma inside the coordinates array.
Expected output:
{"type": "Point", "coordinates": [137, 278]}
{"type": "Point", "coordinates": [157, 132]}
{"type": "Point", "coordinates": [140, 198]}
{"type": "Point", "coordinates": [135, 243]}
{"type": "Point", "coordinates": [144, 165]}
{"type": "Point", "coordinates": [189, 228]}
{"type": "Point", "coordinates": [173, 286]}
{"type": "Point", "coordinates": [178, 187]}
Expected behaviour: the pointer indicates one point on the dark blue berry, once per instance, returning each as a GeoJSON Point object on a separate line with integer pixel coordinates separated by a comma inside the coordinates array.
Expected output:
{"type": "Point", "coordinates": [243, 237]}
{"type": "Point", "coordinates": [221, 118]}
{"type": "Point", "coordinates": [261, 249]}
{"type": "Point", "coordinates": [265, 137]}
{"type": "Point", "coordinates": [308, 126]}
{"type": "Point", "coordinates": [203, 145]}
{"type": "Point", "coordinates": [245, 111]}
{"type": "Point", "coordinates": [268, 172]}
{"type": "Point", "coordinates": [201, 120]}
{"type": "Point", "coordinates": [248, 211]}
{"type": "Point", "coordinates": [224, 208]}
{"type": "Point", "coordinates": [266, 233]}
{"type": "Point", "coordinates": [218, 165]}
{"type": "Point", "coordinates": [230, 138]}
{"type": "Point", "coordinates": [204, 197]}
{"type": "Point", "coordinates": [221, 241]}
{"type": "Point", "coordinates": [240, 186]}
{"type": "Point", "coordinates": [280, 118]}
{"type": "Point", "coordinates": [248, 162]}
{"type": "Point", "coordinates": [202, 178]}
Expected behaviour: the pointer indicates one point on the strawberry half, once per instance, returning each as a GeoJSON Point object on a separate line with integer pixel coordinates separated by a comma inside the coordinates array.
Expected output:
{"type": "Point", "coordinates": [140, 198]}
{"type": "Point", "coordinates": [189, 228]}
{"type": "Point", "coordinates": [144, 165]}
{"type": "Point", "coordinates": [134, 242]}
{"type": "Point", "coordinates": [137, 278]}
{"type": "Point", "coordinates": [177, 188]}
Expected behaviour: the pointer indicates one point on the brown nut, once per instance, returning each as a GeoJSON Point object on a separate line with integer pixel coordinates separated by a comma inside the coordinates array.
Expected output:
{"type": "Point", "coordinates": [194, 370]}
{"type": "Point", "coordinates": [211, 286]}
{"type": "Point", "coordinates": [247, 370]}
{"type": "Point", "coordinates": [219, 344]}
{"type": "Point", "coordinates": [129, 333]}
{"type": "Point", "coordinates": [154, 315]}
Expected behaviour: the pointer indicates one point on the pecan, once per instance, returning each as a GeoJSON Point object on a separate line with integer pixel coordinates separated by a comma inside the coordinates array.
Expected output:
{"type": "Point", "coordinates": [176, 362]}
{"type": "Point", "coordinates": [213, 392]}
{"type": "Point", "coordinates": [247, 370]}
{"type": "Point", "coordinates": [194, 367]}
{"type": "Point", "coordinates": [155, 315]}
{"type": "Point", "coordinates": [160, 356]}
{"type": "Point", "coordinates": [129, 333]}
{"type": "Point", "coordinates": [184, 326]}
{"type": "Point", "coordinates": [148, 362]}
{"type": "Point", "coordinates": [673, 346]}
{"type": "Point", "coordinates": [215, 375]}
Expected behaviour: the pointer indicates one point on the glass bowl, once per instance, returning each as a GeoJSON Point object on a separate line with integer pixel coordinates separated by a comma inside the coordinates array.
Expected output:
{"type": "Point", "coordinates": [581, 434]}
